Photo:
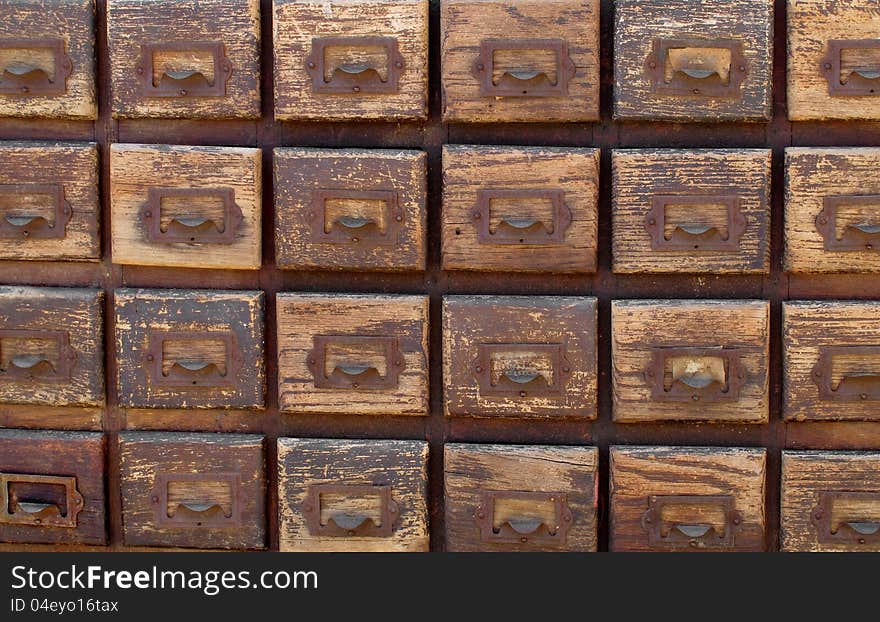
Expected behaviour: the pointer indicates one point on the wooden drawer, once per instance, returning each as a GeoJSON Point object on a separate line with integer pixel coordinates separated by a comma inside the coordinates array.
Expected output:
{"type": "Point", "coordinates": [352, 354]}
{"type": "Point", "coordinates": [47, 59]}
{"type": "Point", "coordinates": [517, 356]}
{"type": "Point", "coordinates": [351, 59]}
{"type": "Point", "coordinates": [52, 487]}
{"type": "Point", "coordinates": [520, 60]}
{"type": "Point", "coordinates": [193, 490]}
{"type": "Point", "coordinates": [687, 499]}
{"type": "Point", "coordinates": [690, 360]}
{"type": "Point", "coordinates": [350, 209]}
{"type": "Point", "coordinates": [352, 495]}
{"type": "Point", "coordinates": [191, 59]}
{"type": "Point", "coordinates": [693, 210]}
{"type": "Point", "coordinates": [679, 60]}
{"type": "Point", "coordinates": [49, 201]}
{"type": "Point", "coordinates": [189, 349]}
{"type": "Point", "coordinates": [832, 198]}
{"type": "Point", "coordinates": [189, 207]}
{"type": "Point", "coordinates": [523, 209]}
{"type": "Point", "coordinates": [830, 501]}
{"type": "Point", "coordinates": [520, 498]}
{"type": "Point", "coordinates": [51, 346]}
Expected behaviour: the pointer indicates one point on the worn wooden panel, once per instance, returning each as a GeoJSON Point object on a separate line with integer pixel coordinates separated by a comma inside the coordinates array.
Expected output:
{"type": "Point", "coordinates": [640, 175]}
{"type": "Point", "coordinates": [233, 23]}
{"type": "Point", "coordinates": [467, 170]}
{"type": "Point", "coordinates": [73, 22]}
{"type": "Point", "coordinates": [469, 470]}
{"type": "Point", "coordinates": [471, 322]}
{"type": "Point", "coordinates": [304, 317]}
{"type": "Point", "coordinates": [304, 176]}
{"type": "Point", "coordinates": [146, 455]}
{"type": "Point", "coordinates": [464, 24]}
{"type": "Point", "coordinates": [401, 465]}
{"type": "Point", "coordinates": [136, 170]}
{"type": "Point", "coordinates": [643, 328]}
{"type": "Point", "coordinates": [79, 455]}
{"type": "Point", "coordinates": [33, 417]}
{"type": "Point", "coordinates": [297, 23]}
{"type": "Point", "coordinates": [638, 23]}
{"type": "Point", "coordinates": [213, 315]}
{"type": "Point", "coordinates": [638, 473]}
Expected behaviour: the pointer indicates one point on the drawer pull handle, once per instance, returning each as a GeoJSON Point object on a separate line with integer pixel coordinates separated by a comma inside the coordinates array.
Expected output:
{"type": "Point", "coordinates": [355, 362]}
{"type": "Point", "coordinates": [513, 516]}
{"type": "Point", "coordinates": [212, 359]}
{"type": "Point", "coordinates": [847, 517]}
{"type": "Point", "coordinates": [706, 68]}
{"type": "Point", "coordinates": [691, 521]}
{"type": "Point", "coordinates": [339, 510]}
{"type": "Point", "coordinates": [197, 500]}
{"type": "Point", "coordinates": [860, 382]}
{"type": "Point", "coordinates": [34, 67]}
{"type": "Point", "coordinates": [705, 229]}
{"type": "Point", "coordinates": [527, 217]}
{"type": "Point", "coordinates": [860, 217]}
{"type": "Point", "coordinates": [33, 211]}
{"type": "Point", "coordinates": [166, 69]}
{"type": "Point", "coordinates": [355, 65]}
{"type": "Point", "coordinates": [218, 224]}
{"type": "Point", "coordinates": [357, 217]}
{"type": "Point", "coordinates": [852, 68]}
{"type": "Point", "coordinates": [36, 355]}
{"type": "Point", "coordinates": [523, 68]}
{"type": "Point", "coordinates": [695, 374]}
{"type": "Point", "coordinates": [525, 370]}
{"type": "Point", "coordinates": [39, 500]}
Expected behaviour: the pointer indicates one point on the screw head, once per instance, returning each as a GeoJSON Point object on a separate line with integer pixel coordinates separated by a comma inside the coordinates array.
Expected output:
{"type": "Point", "coordinates": [182, 92]}
{"type": "Point", "coordinates": [479, 369]}
{"type": "Point", "coordinates": [566, 369]}
{"type": "Point", "coordinates": [155, 499]}
{"type": "Point", "coordinates": [140, 70]}
{"type": "Point", "coordinates": [523, 539]}
{"type": "Point", "coordinates": [694, 543]}
{"type": "Point", "coordinates": [481, 515]}
{"type": "Point", "coordinates": [25, 89]}
{"type": "Point", "coordinates": [38, 521]}
{"type": "Point", "coordinates": [823, 219]}
{"type": "Point", "coordinates": [742, 67]}
{"type": "Point", "coordinates": [351, 533]}
{"type": "Point", "coordinates": [398, 362]}
{"type": "Point", "coordinates": [480, 66]}
{"type": "Point", "coordinates": [25, 233]}
{"type": "Point", "coordinates": [652, 221]}
{"type": "Point", "coordinates": [78, 501]}
{"type": "Point", "coordinates": [736, 521]}
{"type": "Point", "coordinates": [652, 64]}
{"type": "Point", "coordinates": [311, 65]}
{"type": "Point", "coordinates": [695, 397]}
{"type": "Point", "coordinates": [477, 216]}
{"type": "Point", "coordinates": [149, 357]}
{"type": "Point", "coordinates": [648, 519]}
{"type": "Point", "coordinates": [522, 393]}
{"type": "Point", "coordinates": [148, 214]}
{"type": "Point", "coordinates": [861, 540]}
{"type": "Point", "coordinates": [828, 66]}
{"type": "Point", "coordinates": [356, 89]}
{"type": "Point", "coordinates": [863, 396]}
{"type": "Point", "coordinates": [398, 218]}
{"type": "Point", "coordinates": [355, 240]}
{"type": "Point", "coordinates": [355, 385]}
{"type": "Point", "coordinates": [398, 64]}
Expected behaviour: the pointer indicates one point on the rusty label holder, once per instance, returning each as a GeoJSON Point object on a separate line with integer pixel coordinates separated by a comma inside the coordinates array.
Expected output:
{"type": "Point", "coordinates": [853, 388]}
{"type": "Point", "coordinates": [692, 237]}
{"type": "Point", "coordinates": [35, 227]}
{"type": "Point", "coordinates": [355, 230]}
{"type": "Point", "coordinates": [184, 83]}
{"type": "Point", "coordinates": [681, 390]}
{"type": "Point", "coordinates": [664, 534]}
{"type": "Point", "coordinates": [524, 83]}
{"type": "Point", "coordinates": [527, 529]}
{"type": "Point", "coordinates": [517, 383]}
{"type": "Point", "coordinates": [859, 530]}
{"type": "Point", "coordinates": [198, 513]}
{"type": "Point", "coordinates": [862, 237]}
{"type": "Point", "coordinates": [692, 74]}
{"type": "Point", "coordinates": [355, 77]}
{"type": "Point", "coordinates": [347, 525]}
{"type": "Point", "coordinates": [191, 374]}
{"type": "Point", "coordinates": [36, 368]}
{"type": "Point", "coordinates": [523, 230]}
{"type": "Point", "coordinates": [358, 375]}
{"type": "Point", "coordinates": [189, 229]}
{"type": "Point", "coordinates": [25, 80]}
{"type": "Point", "coordinates": [861, 81]}
{"type": "Point", "coordinates": [38, 513]}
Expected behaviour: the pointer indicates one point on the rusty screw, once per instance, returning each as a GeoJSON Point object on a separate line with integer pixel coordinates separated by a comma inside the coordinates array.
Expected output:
{"type": "Point", "coordinates": [356, 89]}
{"type": "Point", "coordinates": [823, 219]}
{"type": "Point", "coordinates": [523, 539]}
{"type": "Point", "coordinates": [398, 218]}
{"type": "Point", "coordinates": [25, 233]}
{"type": "Point", "coordinates": [398, 64]}
{"type": "Point", "coordinates": [652, 221]}
{"type": "Point", "coordinates": [861, 540]}
{"type": "Point", "coordinates": [828, 66]}
{"type": "Point", "coordinates": [182, 92]}
{"type": "Point", "coordinates": [155, 499]}
{"type": "Point", "coordinates": [742, 67]}
{"type": "Point", "coordinates": [148, 214]}
{"type": "Point", "coordinates": [479, 369]}
{"type": "Point", "coordinates": [149, 357]}
{"type": "Point", "coordinates": [477, 216]}
{"type": "Point", "coordinates": [480, 66]}
{"type": "Point", "coordinates": [695, 397]}
{"type": "Point", "coordinates": [311, 65]}
{"type": "Point", "coordinates": [522, 393]}
{"type": "Point", "coordinates": [652, 64]}
{"type": "Point", "coordinates": [355, 385]}
{"type": "Point", "coordinates": [481, 514]}
{"type": "Point", "coordinates": [140, 70]}
{"type": "Point", "coordinates": [696, 91]}
{"type": "Point", "coordinates": [355, 240]}
{"type": "Point", "coordinates": [694, 543]}
{"type": "Point", "coordinates": [37, 521]}
{"type": "Point", "coordinates": [863, 396]}
{"type": "Point", "coordinates": [25, 89]}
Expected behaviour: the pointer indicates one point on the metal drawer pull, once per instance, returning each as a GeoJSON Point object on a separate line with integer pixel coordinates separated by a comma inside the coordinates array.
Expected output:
{"type": "Point", "coordinates": [860, 382]}
{"type": "Point", "coordinates": [39, 500]}
{"type": "Point", "coordinates": [521, 369]}
{"type": "Point", "coordinates": [201, 224]}
{"type": "Point", "coordinates": [523, 516]}
{"type": "Point", "coordinates": [860, 217]}
{"type": "Point", "coordinates": [184, 69]}
{"type": "Point", "coordinates": [845, 517]}
{"type": "Point", "coordinates": [691, 521]}
{"type": "Point", "coordinates": [355, 362]}
{"type": "Point", "coordinates": [695, 374]}
{"type": "Point", "coordinates": [700, 229]}
{"type": "Point", "coordinates": [358, 217]}
{"type": "Point", "coordinates": [364, 65]}
{"type": "Point", "coordinates": [528, 217]}
{"type": "Point", "coordinates": [340, 510]}
{"type": "Point", "coordinates": [33, 211]}
{"type": "Point", "coordinates": [523, 68]}
{"type": "Point", "coordinates": [852, 67]}
{"type": "Point", "coordinates": [34, 67]}
{"type": "Point", "coordinates": [705, 67]}
{"type": "Point", "coordinates": [197, 500]}
{"type": "Point", "coordinates": [36, 355]}
{"type": "Point", "coordinates": [204, 365]}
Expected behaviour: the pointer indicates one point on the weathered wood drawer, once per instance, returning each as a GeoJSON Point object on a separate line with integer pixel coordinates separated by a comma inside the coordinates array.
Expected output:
{"type": "Point", "coordinates": [520, 497]}
{"type": "Point", "coordinates": [184, 58]}
{"type": "Point", "coordinates": [352, 495]}
{"type": "Point", "coordinates": [52, 487]}
{"type": "Point", "coordinates": [190, 348]}
{"type": "Point", "coordinates": [679, 60]}
{"type": "Point", "coordinates": [695, 210]}
{"type": "Point", "coordinates": [520, 60]}
{"type": "Point", "coordinates": [690, 360]}
{"type": "Point", "coordinates": [193, 490]}
{"type": "Point", "coordinates": [49, 201]}
{"type": "Point", "coordinates": [517, 356]}
{"type": "Point", "coordinates": [831, 360]}
{"type": "Point", "coordinates": [352, 354]}
{"type": "Point", "coordinates": [523, 209]}
{"type": "Point", "coordinates": [176, 206]}
{"type": "Point", "coordinates": [830, 501]}
{"type": "Point", "coordinates": [47, 59]}
{"type": "Point", "coordinates": [351, 60]}
{"type": "Point", "coordinates": [687, 499]}
{"type": "Point", "coordinates": [51, 346]}
{"type": "Point", "coordinates": [350, 209]}
{"type": "Point", "coordinates": [832, 209]}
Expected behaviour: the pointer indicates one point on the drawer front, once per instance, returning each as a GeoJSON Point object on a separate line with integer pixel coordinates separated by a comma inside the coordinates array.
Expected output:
{"type": "Point", "coordinates": [520, 498]}
{"type": "Point", "coordinates": [49, 207]}
{"type": "Point", "coordinates": [190, 349]}
{"type": "Point", "coordinates": [193, 490]}
{"type": "Point", "coordinates": [51, 346]}
{"type": "Point", "coordinates": [523, 209]}
{"type": "Point", "coordinates": [195, 207]}
{"type": "Point", "coordinates": [192, 59]}
{"type": "Point", "coordinates": [830, 501]}
{"type": "Point", "coordinates": [353, 60]}
{"type": "Point", "coordinates": [352, 495]}
{"type": "Point", "coordinates": [832, 202]}
{"type": "Point", "coordinates": [529, 60]}
{"type": "Point", "coordinates": [690, 360]}
{"type": "Point", "coordinates": [47, 59]}
{"type": "Point", "coordinates": [350, 209]}
{"type": "Point", "coordinates": [684, 61]}
{"type": "Point", "coordinates": [687, 499]}
{"type": "Point", "coordinates": [686, 211]}
{"type": "Point", "coordinates": [519, 356]}
{"type": "Point", "coordinates": [52, 487]}
{"type": "Point", "coordinates": [352, 354]}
